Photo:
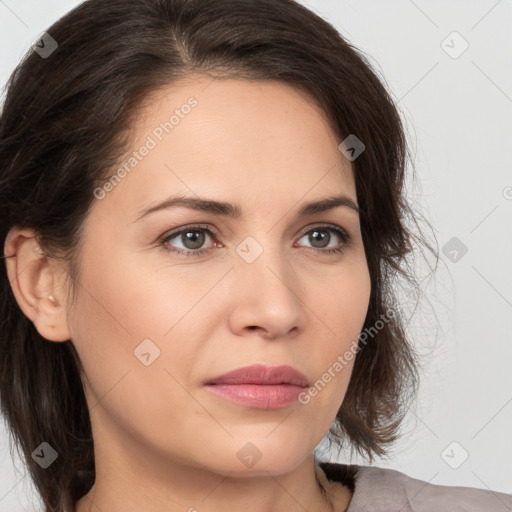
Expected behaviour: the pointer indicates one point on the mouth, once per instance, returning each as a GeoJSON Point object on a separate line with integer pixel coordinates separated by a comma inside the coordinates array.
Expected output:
{"type": "Point", "coordinates": [260, 386]}
{"type": "Point", "coordinates": [262, 375]}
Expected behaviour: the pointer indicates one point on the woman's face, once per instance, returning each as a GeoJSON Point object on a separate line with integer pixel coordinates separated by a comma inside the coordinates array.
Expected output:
{"type": "Point", "coordinates": [151, 325]}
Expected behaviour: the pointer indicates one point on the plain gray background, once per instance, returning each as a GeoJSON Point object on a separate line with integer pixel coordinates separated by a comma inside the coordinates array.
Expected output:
{"type": "Point", "coordinates": [457, 105]}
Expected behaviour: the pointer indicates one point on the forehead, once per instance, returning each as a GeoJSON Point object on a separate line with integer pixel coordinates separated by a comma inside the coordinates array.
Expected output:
{"type": "Point", "coordinates": [230, 137]}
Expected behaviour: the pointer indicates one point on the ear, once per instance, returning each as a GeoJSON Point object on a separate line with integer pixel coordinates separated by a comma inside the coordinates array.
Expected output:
{"type": "Point", "coordinates": [35, 281]}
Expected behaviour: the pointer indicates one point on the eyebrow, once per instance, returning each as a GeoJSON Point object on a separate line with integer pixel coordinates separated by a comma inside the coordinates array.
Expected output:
{"type": "Point", "coordinates": [235, 211]}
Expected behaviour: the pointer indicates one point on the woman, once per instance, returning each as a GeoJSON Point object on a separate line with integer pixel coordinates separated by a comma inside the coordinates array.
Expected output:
{"type": "Point", "coordinates": [202, 213]}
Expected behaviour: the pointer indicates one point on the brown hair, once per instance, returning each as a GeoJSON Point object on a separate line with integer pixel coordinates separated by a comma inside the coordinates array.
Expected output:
{"type": "Point", "coordinates": [60, 136]}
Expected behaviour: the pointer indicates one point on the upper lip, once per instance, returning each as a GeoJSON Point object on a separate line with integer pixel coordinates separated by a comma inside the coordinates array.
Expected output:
{"type": "Point", "coordinates": [262, 374]}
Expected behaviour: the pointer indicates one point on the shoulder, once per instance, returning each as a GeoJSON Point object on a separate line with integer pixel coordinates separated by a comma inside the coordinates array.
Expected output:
{"type": "Point", "coordinates": [381, 489]}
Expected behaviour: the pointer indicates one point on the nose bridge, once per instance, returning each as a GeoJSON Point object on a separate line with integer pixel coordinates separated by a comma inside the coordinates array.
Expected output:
{"type": "Point", "coordinates": [268, 294]}
{"type": "Point", "coordinates": [263, 262]}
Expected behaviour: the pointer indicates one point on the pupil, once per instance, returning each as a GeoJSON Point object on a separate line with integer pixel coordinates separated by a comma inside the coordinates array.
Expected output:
{"type": "Point", "coordinates": [192, 236]}
{"type": "Point", "coordinates": [323, 236]}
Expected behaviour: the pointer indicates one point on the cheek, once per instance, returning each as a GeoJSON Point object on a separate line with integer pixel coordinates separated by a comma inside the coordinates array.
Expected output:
{"type": "Point", "coordinates": [118, 311]}
{"type": "Point", "coordinates": [348, 308]}
{"type": "Point", "coordinates": [132, 300]}
{"type": "Point", "coordinates": [342, 301]}
{"type": "Point", "coordinates": [126, 310]}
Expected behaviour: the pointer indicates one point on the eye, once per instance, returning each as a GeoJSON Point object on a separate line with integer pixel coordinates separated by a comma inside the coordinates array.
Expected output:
{"type": "Point", "coordinates": [193, 238]}
{"type": "Point", "coordinates": [320, 239]}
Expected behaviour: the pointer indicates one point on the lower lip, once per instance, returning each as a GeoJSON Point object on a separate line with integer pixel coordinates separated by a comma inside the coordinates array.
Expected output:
{"type": "Point", "coordinates": [258, 396]}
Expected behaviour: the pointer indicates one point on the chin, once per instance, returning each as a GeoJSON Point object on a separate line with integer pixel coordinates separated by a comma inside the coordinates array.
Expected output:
{"type": "Point", "coordinates": [252, 459]}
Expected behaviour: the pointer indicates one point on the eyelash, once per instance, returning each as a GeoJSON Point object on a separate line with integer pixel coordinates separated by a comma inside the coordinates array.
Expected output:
{"type": "Point", "coordinates": [345, 237]}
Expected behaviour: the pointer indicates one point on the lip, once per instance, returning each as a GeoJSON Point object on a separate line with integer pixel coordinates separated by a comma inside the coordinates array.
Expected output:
{"type": "Point", "coordinates": [260, 386]}
{"type": "Point", "coordinates": [263, 375]}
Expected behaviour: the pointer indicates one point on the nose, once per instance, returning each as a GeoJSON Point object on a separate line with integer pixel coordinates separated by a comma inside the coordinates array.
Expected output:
{"type": "Point", "coordinates": [266, 297]}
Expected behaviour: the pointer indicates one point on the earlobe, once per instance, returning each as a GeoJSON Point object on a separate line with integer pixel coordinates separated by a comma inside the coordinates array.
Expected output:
{"type": "Point", "coordinates": [32, 276]}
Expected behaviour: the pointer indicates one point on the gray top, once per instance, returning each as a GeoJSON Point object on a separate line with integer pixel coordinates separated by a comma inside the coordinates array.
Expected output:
{"type": "Point", "coordinates": [386, 490]}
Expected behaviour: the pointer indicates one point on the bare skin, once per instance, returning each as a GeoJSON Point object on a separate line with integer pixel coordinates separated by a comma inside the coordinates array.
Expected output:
{"type": "Point", "coordinates": [163, 442]}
